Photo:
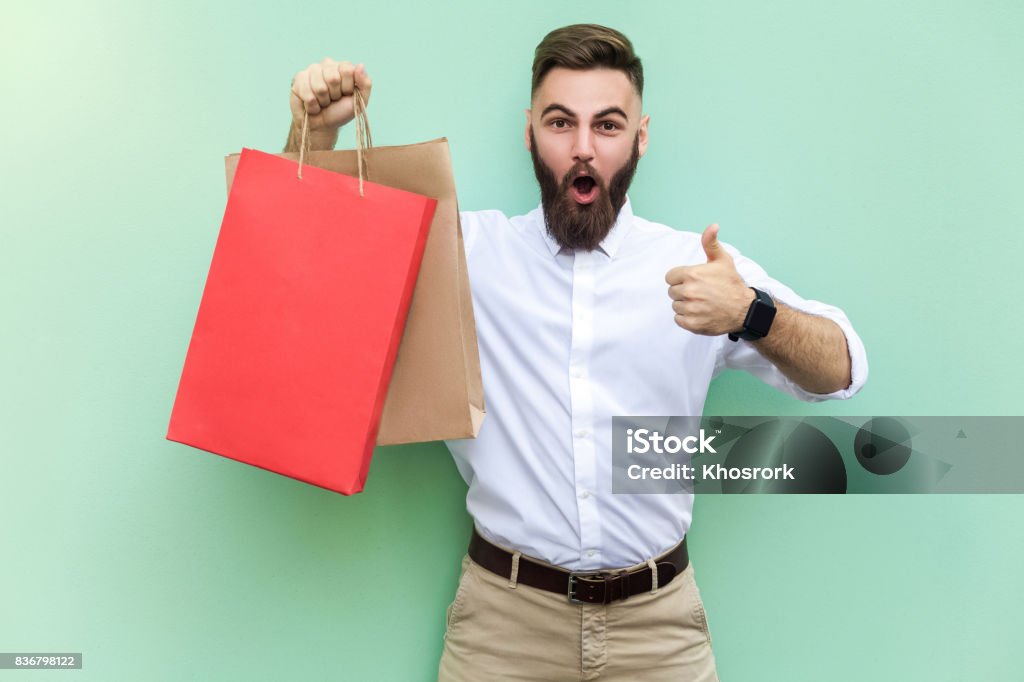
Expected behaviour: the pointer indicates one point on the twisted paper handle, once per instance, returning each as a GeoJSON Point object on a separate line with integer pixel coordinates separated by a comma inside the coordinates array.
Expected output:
{"type": "Point", "coordinates": [364, 140]}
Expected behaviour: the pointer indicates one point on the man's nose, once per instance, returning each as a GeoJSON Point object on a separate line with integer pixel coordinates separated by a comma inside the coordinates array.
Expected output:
{"type": "Point", "coordinates": [583, 145]}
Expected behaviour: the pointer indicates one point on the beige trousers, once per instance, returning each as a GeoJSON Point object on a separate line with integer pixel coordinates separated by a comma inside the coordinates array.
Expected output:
{"type": "Point", "coordinates": [498, 630]}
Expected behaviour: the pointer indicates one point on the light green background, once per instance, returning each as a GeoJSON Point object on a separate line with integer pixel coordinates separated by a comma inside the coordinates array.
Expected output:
{"type": "Point", "coordinates": [868, 154]}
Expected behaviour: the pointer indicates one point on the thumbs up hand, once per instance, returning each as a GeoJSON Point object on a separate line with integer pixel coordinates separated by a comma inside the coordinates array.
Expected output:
{"type": "Point", "coordinates": [710, 298]}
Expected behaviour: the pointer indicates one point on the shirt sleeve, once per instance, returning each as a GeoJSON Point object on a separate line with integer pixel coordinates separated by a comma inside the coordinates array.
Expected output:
{"type": "Point", "coordinates": [742, 354]}
{"type": "Point", "coordinates": [469, 221]}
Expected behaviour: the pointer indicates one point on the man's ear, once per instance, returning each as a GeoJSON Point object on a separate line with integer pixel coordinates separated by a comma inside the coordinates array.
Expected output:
{"type": "Point", "coordinates": [642, 141]}
{"type": "Point", "coordinates": [526, 133]}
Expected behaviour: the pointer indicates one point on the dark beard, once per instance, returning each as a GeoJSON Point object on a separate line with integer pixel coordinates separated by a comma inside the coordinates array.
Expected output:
{"type": "Point", "coordinates": [582, 226]}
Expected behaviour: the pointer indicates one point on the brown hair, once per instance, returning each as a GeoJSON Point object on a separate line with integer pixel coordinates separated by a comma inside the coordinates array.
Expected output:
{"type": "Point", "coordinates": [587, 46]}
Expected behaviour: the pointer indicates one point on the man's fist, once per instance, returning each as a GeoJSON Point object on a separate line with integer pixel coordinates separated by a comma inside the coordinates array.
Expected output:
{"type": "Point", "coordinates": [324, 90]}
{"type": "Point", "coordinates": [711, 298]}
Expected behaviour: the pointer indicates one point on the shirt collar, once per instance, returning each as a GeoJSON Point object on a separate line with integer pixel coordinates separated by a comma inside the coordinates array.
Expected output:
{"type": "Point", "coordinates": [611, 242]}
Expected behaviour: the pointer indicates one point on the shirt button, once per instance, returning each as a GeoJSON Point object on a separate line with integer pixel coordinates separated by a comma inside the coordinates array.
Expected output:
{"type": "Point", "coordinates": [581, 433]}
{"type": "Point", "coordinates": [591, 552]}
{"type": "Point", "coordinates": [577, 373]}
{"type": "Point", "coordinates": [585, 494]}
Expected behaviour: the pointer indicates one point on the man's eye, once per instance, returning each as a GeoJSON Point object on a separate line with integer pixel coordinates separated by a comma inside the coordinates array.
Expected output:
{"type": "Point", "coordinates": [608, 126]}
{"type": "Point", "coordinates": [559, 123]}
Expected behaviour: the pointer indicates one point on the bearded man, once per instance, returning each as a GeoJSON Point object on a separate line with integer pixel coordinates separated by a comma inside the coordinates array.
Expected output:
{"type": "Point", "coordinates": [586, 311]}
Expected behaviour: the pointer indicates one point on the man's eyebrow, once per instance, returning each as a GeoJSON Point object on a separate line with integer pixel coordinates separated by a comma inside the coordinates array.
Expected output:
{"type": "Point", "coordinates": [569, 112]}
{"type": "Point", "coordinates": [612, 110]}
{"type": "Point", "coordinates": [557, 107]}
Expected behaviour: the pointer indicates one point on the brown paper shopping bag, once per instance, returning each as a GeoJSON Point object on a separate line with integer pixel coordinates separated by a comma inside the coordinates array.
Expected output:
{"type": "Point", "coordinates": [436, 390]}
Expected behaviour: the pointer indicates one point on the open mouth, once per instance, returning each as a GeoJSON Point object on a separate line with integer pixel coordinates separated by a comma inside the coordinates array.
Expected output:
{"type": "Point", "coordinates": [583, 189]}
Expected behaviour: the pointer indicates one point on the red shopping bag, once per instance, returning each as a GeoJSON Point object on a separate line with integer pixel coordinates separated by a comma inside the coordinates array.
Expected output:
{"type": "Point", "coordinates": [300, 321]}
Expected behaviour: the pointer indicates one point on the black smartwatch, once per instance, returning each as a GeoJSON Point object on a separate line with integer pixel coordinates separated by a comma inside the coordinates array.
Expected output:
{"type": "Point", "coordinates": [759, 318]}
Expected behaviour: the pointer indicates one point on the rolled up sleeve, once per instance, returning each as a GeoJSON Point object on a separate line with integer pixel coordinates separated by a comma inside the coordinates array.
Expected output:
{"type": "Point", "coordinates": [742, 354]}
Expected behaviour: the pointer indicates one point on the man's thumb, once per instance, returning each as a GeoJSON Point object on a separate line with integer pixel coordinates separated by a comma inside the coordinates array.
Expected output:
{"type": "Point", "coordinates": [363, 81]}
{"type": "Point", "coordinates": [709, 240]}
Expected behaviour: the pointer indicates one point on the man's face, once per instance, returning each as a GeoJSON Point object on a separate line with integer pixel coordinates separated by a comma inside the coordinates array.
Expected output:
{"type": "Point", "coordinates": [585, 134]}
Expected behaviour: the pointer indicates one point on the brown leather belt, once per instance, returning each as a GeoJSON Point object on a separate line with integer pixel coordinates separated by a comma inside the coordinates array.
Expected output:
{"type": "Point", "coordinates": [582, 587]}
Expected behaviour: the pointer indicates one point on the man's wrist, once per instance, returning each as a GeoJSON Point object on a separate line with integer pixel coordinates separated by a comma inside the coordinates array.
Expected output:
{"type": "Point", "coordinates": [322, 140]}
{"type": "Point", "coordinates": [318, 140]}
{"type": "Point", "coordinates": [741, 316]}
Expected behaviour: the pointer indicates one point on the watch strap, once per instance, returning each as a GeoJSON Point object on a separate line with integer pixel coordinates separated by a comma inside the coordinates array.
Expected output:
{"type": "Point", "coordinates": [761, 298]}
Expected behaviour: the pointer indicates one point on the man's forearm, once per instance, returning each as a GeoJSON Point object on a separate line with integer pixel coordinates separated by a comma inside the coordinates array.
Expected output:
{"type": "Point", "coordinates": [809, 349]}
{"type": "Point", "coordinates": [319, 141]}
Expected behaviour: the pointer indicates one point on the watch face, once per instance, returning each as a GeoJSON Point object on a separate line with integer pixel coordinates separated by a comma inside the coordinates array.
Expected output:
{"type": "Point", "coordinates": [761, 317]}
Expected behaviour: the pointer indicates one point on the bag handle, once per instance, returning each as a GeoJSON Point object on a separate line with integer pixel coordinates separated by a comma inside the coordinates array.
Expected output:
{"type": "Point", "coordinates": [364, 141]}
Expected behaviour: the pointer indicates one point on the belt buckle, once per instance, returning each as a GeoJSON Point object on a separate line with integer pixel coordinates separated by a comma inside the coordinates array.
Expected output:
{"type": "Point", "coordinates": [590, 576]}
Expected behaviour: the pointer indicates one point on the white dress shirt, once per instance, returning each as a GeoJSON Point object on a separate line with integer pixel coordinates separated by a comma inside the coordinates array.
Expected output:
{"type": "Point", "coordinates": [569, 340]}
